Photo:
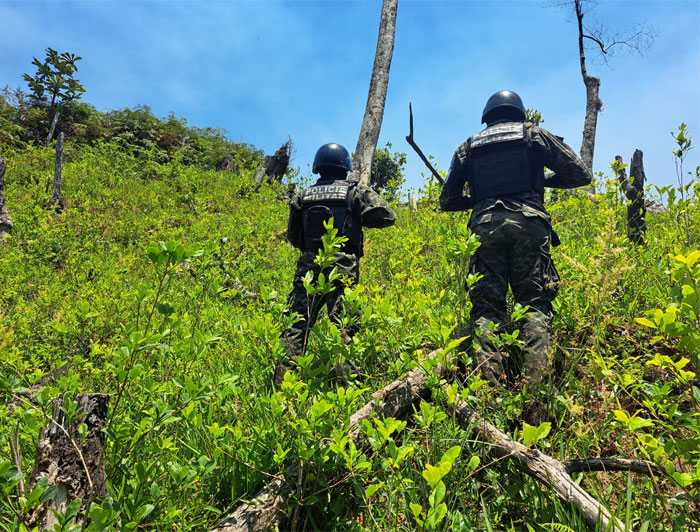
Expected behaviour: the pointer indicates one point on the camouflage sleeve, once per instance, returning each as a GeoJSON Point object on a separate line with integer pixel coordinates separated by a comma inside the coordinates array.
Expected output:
{"type": "Point", "coordinates": [452, 196]}
{"type": "Point", "coordinates": [374, 210]}
{"type": "Point", "coordinates": [569, 170]}
{"type": "Point", "coordinates": [294, 225]}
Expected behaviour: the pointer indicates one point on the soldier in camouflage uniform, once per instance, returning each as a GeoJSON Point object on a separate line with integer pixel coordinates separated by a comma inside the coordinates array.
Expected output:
{"type": "Point", "coordinates": [352, 206]}
{"type": "Point", "coordinates": [503, 167]}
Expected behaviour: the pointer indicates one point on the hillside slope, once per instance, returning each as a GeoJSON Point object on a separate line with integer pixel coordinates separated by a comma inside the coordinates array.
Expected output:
{"type": "Point", "coordinates": [184, 336]}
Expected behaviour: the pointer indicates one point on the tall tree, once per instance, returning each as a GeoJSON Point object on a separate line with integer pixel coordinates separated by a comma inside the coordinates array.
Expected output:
{"type": "Point", "coordinates": [593, 35]}
{"type": "Point", "coordinates": [376, 98]}
{"type": "Point", "coordinates": [53, 84]}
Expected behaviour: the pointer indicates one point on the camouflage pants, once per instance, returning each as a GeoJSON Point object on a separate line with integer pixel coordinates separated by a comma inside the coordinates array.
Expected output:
{"type": "Point", "coordinates": [514, 251]}
{"type": "Point", "coordinates": [307, 307]}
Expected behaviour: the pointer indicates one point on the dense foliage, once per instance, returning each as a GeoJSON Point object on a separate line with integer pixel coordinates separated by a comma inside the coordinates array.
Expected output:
{"type": "Point", "coordinates": [387, 171]}
{"type": "Point", "coordinates": [25, 121]}
{"type": "Point", "coordinates": [163, 283]}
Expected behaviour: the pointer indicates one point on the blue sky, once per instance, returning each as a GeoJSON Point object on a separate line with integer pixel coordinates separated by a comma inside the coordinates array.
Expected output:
{"type": "Point", "coordinates": [264, 70]}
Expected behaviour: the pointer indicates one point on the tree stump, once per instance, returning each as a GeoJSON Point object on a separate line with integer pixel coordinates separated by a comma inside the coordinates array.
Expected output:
{"type": "Point", "coordinates": [73, 464]}
{"type": "Point", "coordinates": [6, 223]}
{"type": "Point", "coordinates": [273, 167]}
{"type": "Point", "coordinates": [56, 202]}
{"type": "Point", "coordinates": [227, 164]}
{"type": "Point", "coordinates": [633, 189]}
{"type": "Point", "coordinates": [412, 201]}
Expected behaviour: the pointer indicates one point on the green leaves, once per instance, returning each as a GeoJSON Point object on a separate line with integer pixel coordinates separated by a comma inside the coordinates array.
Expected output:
{"type": "Point", "coordinates": [171, 253]}
{"type": "Point", "coordinates": [532, 434]}
{"type": "Point", "coordinates": [437, 509]}
{"type": "Point", "coordinates": [53, 81]}
{"type": "Point", "coordinates": [429, 414]}
{"type": "Point", "coordinates": [387, 427]}
{"type": "Point", "coordinates": [631, 423]}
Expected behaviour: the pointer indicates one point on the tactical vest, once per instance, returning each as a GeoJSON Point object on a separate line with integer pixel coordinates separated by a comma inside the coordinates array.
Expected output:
{"type": "Point", "coordinates": [502, 159]}
{"type": "Point", "coordinates": [321, 202]}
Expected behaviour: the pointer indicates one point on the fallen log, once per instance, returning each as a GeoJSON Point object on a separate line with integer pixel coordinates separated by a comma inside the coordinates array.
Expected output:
{"type": "Point", "coordinates": [606, 465]}
{"type": "Point", "coordinates": [266, 508]}
{"type": "Point", "coordinates": [549, 471]}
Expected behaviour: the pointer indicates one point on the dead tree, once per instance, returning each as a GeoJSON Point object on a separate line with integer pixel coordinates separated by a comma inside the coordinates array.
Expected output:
{"type": "Point", "coordinates": [633, 189]}
{"type": "Point", "coordinates": [376, 98]}
{"type": "Point", "coordinates": [273, 167]}
{"type": "Point", "coordinates": [595, 36]}
{"type": "Point", "coordinates": [56, 202]}
{"type": "Point", "coordinates": [71, 461]}
{"type": "Point", "coordinates": [266, 508]}
{"type": "Point", "coordinates": [547, 470]}
{"type": "Point", "coordinates": [593, 102]}
{"type": "Point", "coordinates": [6, 223]}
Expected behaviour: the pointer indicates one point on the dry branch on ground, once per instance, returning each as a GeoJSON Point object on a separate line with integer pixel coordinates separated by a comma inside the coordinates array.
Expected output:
{"type": "Point", "coordinates": [267, 507]}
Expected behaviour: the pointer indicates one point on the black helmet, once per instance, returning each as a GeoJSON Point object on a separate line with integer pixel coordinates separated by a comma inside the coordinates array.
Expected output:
{"type": "Point", "coordinates": [503, 105]}
{"type": "Point", "coordinates": [332, 156]}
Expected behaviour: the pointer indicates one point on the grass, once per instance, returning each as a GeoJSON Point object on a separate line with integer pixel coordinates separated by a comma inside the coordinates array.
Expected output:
{"type": "Point", "coordinates": [188, 345]}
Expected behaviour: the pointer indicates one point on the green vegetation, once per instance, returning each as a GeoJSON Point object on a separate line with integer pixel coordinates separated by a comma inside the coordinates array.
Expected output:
{"type": "Point", "coordinates": [25, 122]}
{"type": "Point", "coordinates": [163, 283]}
{"type": "Point", "coordinates": [53, 84]}
{"type": "Point", "coordinates": [387, 171]}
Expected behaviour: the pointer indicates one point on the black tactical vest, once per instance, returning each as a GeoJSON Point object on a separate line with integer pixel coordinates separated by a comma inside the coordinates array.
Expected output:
{"type": "Point", "coordinates": [321, 202]}
{"type": "Point", "coordinates": [502, 159]}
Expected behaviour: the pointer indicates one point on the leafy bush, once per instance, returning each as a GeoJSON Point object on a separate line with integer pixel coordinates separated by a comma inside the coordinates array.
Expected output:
{"type": "Point", "coordinates": [163, 284]}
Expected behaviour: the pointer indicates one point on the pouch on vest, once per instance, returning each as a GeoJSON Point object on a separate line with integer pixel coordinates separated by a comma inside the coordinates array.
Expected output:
{"type": "Point", "coordinates": [314, 218]}
{"type": "Point", "coordinates": [501, 162]}
{"type": "Point", "coordinates": [319, 204]}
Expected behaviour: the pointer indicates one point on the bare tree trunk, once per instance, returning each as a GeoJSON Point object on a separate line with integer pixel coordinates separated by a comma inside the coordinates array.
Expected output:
{"type": "Point", "coordinates": [376, 98]}
{"type": "Point", "coordinates": [54, 121]}
{"type": "Point", "coordinates": [73, 464]}
{"type": "Point", "coordinates": [56, 201]}
{"type": "Point", "coordinates": [593, 102]}
{"type": "Point", "coordinates": [6, 223]}
{"type": "Point", "coordinates": [412, 202]}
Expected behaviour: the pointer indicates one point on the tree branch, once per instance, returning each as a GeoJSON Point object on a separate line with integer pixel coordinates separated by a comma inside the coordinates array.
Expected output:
{"type": "Point", "coordinates": [590, 465]}
{"type": "Point", "coordinates": [413, 144]}
{"type": "Point", "coordinates": [395, 400]}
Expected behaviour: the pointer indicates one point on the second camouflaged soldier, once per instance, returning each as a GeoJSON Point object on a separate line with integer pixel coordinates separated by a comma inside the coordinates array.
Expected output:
{"type": "Point", "coordinates": [352, 207]}
{"type": "Point", "coordinates": [503, 166]}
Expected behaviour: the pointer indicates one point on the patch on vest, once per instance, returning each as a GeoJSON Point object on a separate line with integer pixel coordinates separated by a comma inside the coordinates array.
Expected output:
{"type": "Point", "coordinates": [325, 193]}
{"type": "Point", "coordinates": [498, 133]}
